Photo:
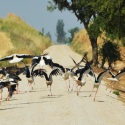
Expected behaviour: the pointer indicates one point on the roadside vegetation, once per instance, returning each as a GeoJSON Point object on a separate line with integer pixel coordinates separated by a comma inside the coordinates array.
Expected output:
{"type": "Point", "coordinates": [18, 37]}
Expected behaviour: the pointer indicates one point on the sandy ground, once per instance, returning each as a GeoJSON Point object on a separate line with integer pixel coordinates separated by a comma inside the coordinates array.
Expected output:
{"type": "Point", "coordinates": [63, 108]}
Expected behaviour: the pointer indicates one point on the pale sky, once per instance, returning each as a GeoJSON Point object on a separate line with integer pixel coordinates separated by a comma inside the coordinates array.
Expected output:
{"type": "Point", "coordinates": [34, 12]}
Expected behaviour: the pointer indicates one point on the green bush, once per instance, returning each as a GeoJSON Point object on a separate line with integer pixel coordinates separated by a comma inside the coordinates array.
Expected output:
{"type": "Point", "coordinates": [110, 52]}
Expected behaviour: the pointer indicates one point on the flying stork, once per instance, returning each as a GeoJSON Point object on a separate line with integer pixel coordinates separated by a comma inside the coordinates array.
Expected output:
{"type": "Point", "coordinates": [14, 58]}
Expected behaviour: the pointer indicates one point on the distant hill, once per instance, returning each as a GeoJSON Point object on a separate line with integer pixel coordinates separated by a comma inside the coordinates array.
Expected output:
{"type": "Point", "coordinates": [16, 36]}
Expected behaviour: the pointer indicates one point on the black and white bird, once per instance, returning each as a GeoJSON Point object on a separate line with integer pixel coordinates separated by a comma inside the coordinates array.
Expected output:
{"type": "Point", "coordinates": [8, 83]}
{"type": "Point", "coordinates": [82, 70]}
{"type": "Point", "coordinates": [14, 58]}
{"type": "Point", "coordinates": [80, 76]}
{"type": "Point", "coordinates": [77, 65]}
{"type": "Point", "coordinates": [16, 77]}
{"type": "Point", "coordinates": [66, 72]}
{"type": "Point", "coordinates": [39, 60]}
{"type": "Point", "coordinates": [3, 72]}
{"type": "Point", "coordinates": [49, 79]}
{"type": "Point", "coordinates": [97, 81]}
{"type": "Point", "coordinates": [7, 75]}
{"type": "Point", "coordinates": [115, 77]}
{"type": "Point", "coordinates": [29, 75]}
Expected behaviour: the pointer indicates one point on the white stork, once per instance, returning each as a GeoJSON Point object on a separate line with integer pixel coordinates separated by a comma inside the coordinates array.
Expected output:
{"type": "Point", "coordinates": [115, 77]}
{"type": "Point", "coordinates": [14, 58]}
{"type": "Point", "coordinates": [97, 80]}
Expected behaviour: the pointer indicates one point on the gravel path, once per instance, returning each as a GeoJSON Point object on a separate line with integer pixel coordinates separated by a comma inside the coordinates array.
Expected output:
{"type": "Point", "coordinates": [63, 108]}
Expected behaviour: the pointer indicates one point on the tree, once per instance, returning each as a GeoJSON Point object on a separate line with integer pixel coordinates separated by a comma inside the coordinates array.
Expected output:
{"type": "Point", "coordinates": [72, 32]}
{"type": "Point", "coordinates": [97, 16]}
{"type": "Point", "coordinates": [60, 32]}
{"type": "Point", "coordinates": [112, 14]}
{"type": "Point", "coordinates": [43, 31]}
{"type": "Point", "coordinates": [49, 35]}
{"type": "Point", "coordinates": [85, 11]}
{"type": "Point", "coordinates": [110, 53]}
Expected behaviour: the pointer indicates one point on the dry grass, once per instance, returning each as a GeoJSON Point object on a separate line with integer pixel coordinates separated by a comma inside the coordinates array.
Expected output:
{"type": "Point", "coordinates": [18, 37]}
{"type": "Point", "coordinates": [6, 43]}
{"type": "Point", "coordinates": [81, 43]}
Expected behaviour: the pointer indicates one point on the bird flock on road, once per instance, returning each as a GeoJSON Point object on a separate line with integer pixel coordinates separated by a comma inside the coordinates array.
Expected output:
{"type": "Point", "coordinates": [10, 78]}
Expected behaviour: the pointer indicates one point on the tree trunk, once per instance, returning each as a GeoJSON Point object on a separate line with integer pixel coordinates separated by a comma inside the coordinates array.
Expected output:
{"type": "Point", "coordinates": [103, 62]}
{"type": "Point", "coordinates": [94, 50]}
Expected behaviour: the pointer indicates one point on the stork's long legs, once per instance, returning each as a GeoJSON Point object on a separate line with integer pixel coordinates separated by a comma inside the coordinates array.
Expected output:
{"type": "Point", "coordinates": [95, 94]}
{"type": "Point", "coordinates": [72, 86]}
{"type": "Point", "coordinates": [30, 83]}
{"type": "Point", "coordinates": [68, 84]}
{"type": "Point", "coordinates": [78, 90]}
{"type": "Point", "coordinates": [17, 88]}
{"type": "Point", "coordinates": [50, 91]}
{"type": "Point", "coordinates": [1, 90]}
{"type": "Point", "coordinates": [8, 96]}
{"type": "Point", "coordinates": [91, 92]}
{"type": "Point", "coordinates": [1, 96]}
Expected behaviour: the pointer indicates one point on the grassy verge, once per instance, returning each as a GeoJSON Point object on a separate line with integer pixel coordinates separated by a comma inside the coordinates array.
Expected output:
{"type": "Point", "coordinates": [21, 38]}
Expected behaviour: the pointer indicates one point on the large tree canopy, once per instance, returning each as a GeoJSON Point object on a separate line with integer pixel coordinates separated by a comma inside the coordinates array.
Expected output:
{"type": "Point", "coordinates": [111, 14]}
{"type": "Point", "coordinates": [84, 11]}
{"type": "Point", "coordinates": [97, 16]}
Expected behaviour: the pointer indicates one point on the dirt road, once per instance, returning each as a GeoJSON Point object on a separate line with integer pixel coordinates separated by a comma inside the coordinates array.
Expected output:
{"type": "Point", "coordinates": [63, 108]}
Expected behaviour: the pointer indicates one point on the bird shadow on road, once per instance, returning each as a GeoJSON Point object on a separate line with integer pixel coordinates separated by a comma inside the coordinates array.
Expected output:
{"type": "Point", "coordinates": [10, 108]}
{"type": "Point", "coordinates": [28, 103]}
{"type": "Point", "coordinates": [12, 99]}
{"type": "Point", "coordinates": [99, 101]}
{"type": "Point", "coordinates": [84, 96]}
{"type": "Point", "coordinates": [53, 96]}
{"type": "Point", "coordinates": [96, 100]}
{"type": "Point", "coordinates": [24, 92]}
